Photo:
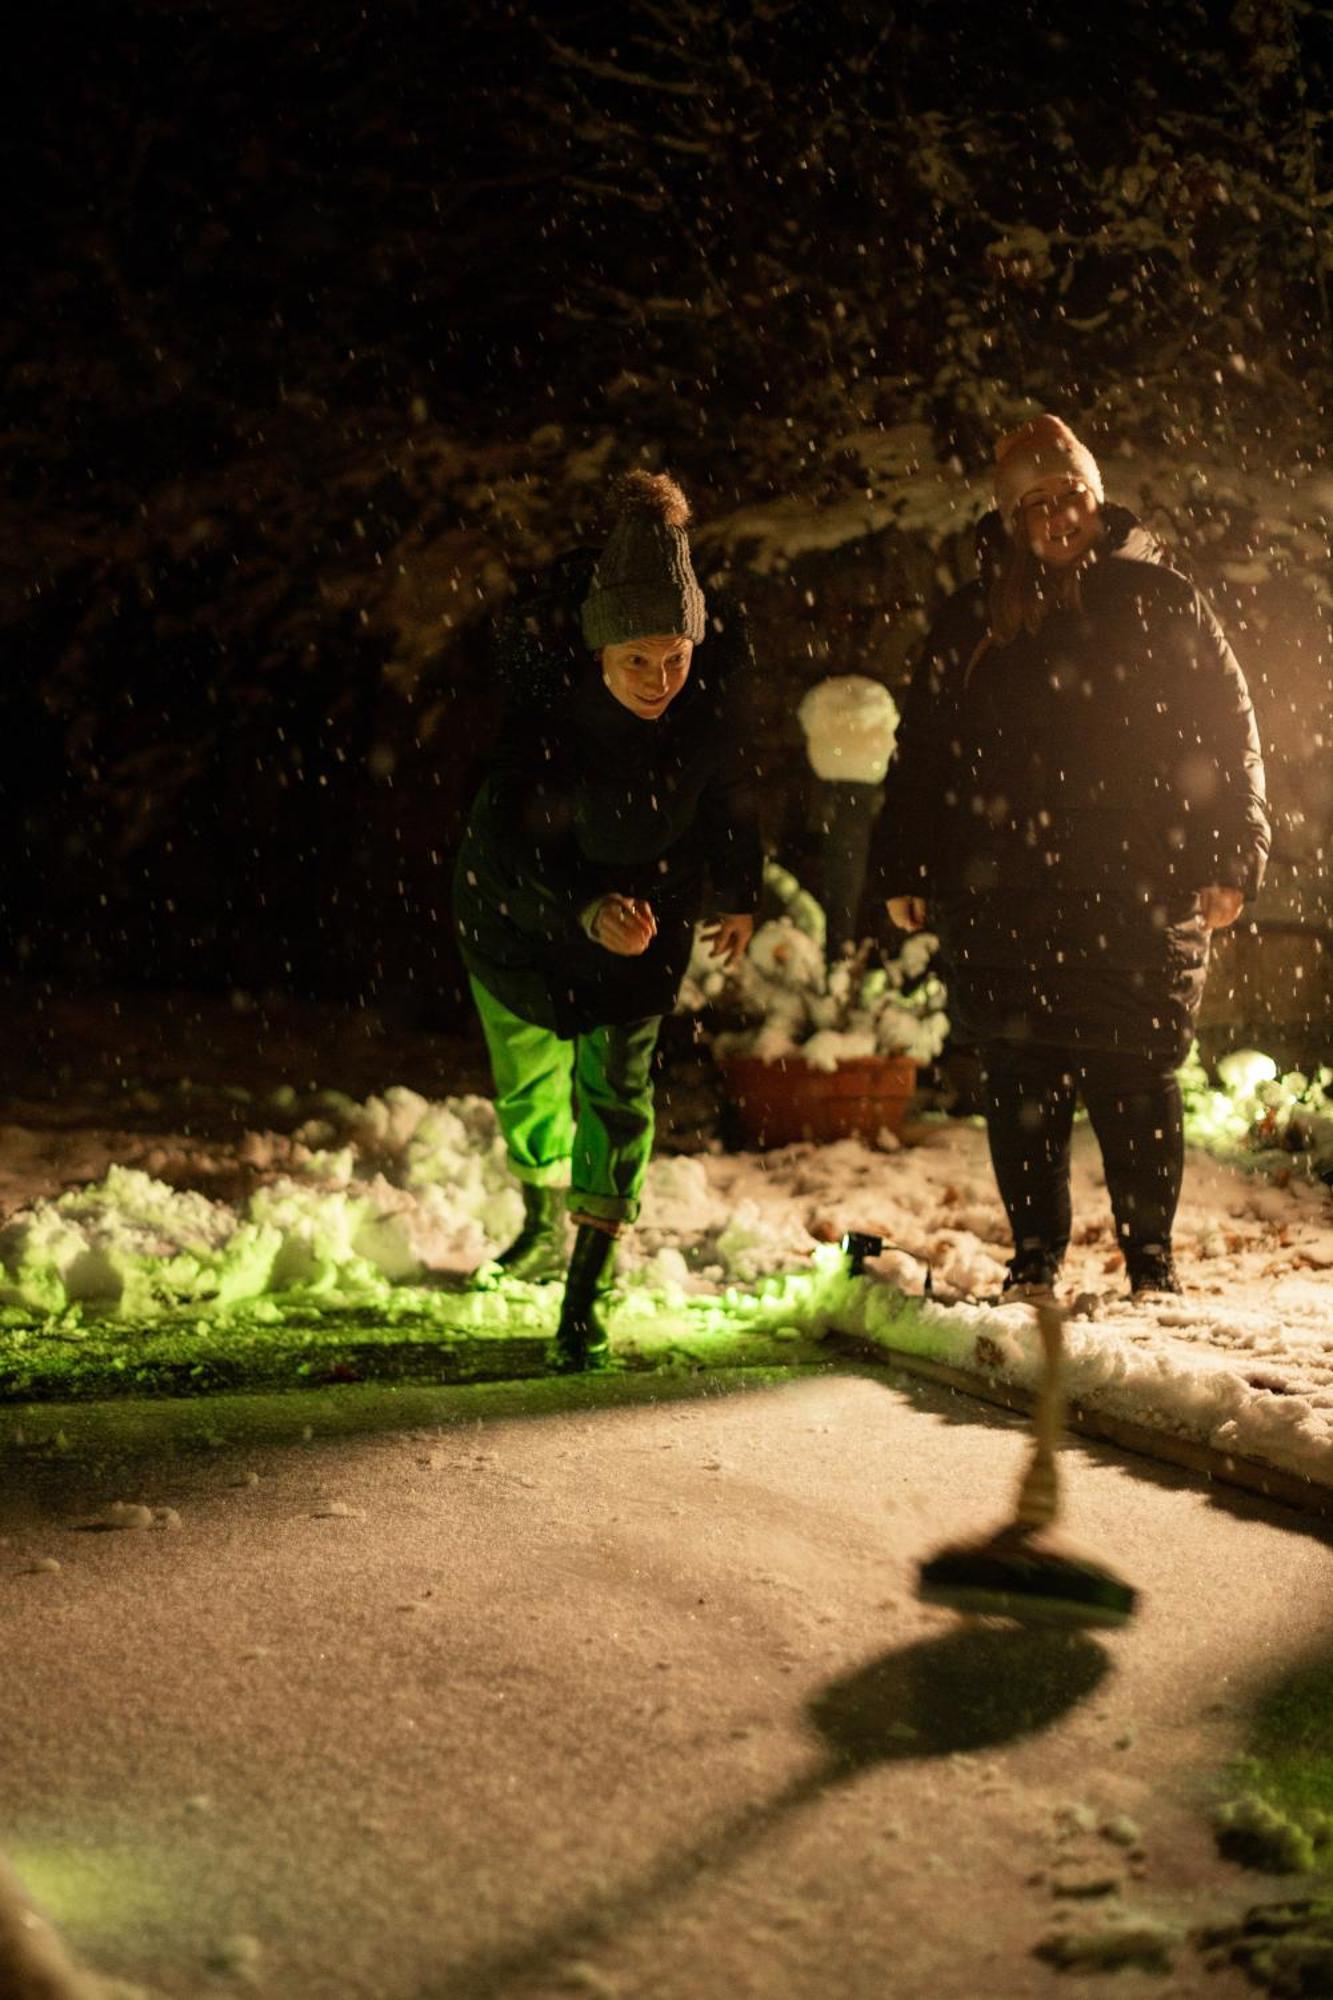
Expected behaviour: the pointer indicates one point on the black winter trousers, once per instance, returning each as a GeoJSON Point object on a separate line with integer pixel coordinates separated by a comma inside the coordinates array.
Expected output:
{"type": "Point", "coordinates": [1135, 1108]}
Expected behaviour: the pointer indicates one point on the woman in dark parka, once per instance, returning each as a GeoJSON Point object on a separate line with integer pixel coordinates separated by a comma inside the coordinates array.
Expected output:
{"type": "Point", "coordinates": [616, 801]}
{"type": "Point", "coordinates": [1075, 804]}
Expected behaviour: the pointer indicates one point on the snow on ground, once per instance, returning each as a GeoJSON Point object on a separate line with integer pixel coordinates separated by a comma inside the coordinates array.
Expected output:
{"type": "Point", "coordinates": [368, 1200]}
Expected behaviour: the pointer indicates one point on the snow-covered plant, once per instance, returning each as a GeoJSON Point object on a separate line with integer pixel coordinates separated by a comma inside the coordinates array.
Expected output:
{"type": "Point", "coordinates": [786, 1000]}
{"type": "Point", "coordinates": [805, 910]}
{"type": "Point", "coordinates": [707, 982]}
{"type": "Point", "coordinates": [1249, 1107]}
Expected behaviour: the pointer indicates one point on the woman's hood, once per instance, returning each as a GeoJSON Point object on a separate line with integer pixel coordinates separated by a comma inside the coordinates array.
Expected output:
{"type": "Point", "coordinates": [1125, 535]}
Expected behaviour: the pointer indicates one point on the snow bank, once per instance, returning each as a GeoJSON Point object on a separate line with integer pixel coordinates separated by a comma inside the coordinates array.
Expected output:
{"type": "Point", "coordinates": [735, 1251]}
{"type": "Point", "coordinates": [393, 1189]}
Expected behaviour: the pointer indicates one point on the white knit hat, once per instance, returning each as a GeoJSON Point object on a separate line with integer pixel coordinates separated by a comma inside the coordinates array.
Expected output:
{"type": "Point", "coordinates": [1044, 446]}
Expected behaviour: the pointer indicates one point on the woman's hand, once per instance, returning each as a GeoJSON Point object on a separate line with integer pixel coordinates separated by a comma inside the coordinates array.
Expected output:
{"type": "Point", "coordinates": [625, 925]}
{"type": "Point", "coordinates": [1220, 906]}
{"type": "Point", "coordinates": [908, 912]}
{"type": "Point", "coordinates": [729, 937]}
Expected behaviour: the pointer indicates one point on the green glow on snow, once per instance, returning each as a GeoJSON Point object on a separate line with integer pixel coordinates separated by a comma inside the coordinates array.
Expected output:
{"type": "Point", "coordinates": [102, 1889]}
{"type": "Point", "coordinates": [1280, 1816]}
{"type": "Point", "coordinates": [1251, 1109]}
{"type": "Point", "coordinates": [130, 1284]}
{"type": "Point", "coordinates": [371, 1328]}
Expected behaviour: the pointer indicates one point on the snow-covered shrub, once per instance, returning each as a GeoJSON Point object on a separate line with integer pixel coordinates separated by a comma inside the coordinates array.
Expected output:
{"type": "Point", "coordinates": [785, 999]}
{"type": "Point", "coordinates": [1249, 1108]}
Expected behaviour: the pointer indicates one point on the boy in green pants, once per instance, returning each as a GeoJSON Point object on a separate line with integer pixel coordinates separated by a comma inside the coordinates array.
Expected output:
{"type": "Point", "coordinates": [616, 801]}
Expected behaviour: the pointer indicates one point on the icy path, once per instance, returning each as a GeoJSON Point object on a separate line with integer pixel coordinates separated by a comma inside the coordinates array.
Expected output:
{"type": "Point", "coordinates": [615, 1689]}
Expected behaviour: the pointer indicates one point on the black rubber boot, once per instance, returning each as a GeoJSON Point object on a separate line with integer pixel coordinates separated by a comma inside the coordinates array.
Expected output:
{"type": "Point", "coordinates": [1032, 1273]}
{"type": "Point", "coordinates": [580, 1339]}
{"type": "Point", "coordinates": [537, 1253]}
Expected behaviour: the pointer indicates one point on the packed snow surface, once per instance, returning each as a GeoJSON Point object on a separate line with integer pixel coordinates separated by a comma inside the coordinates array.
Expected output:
{"type": "Point", "coordinates": [375, 1198]}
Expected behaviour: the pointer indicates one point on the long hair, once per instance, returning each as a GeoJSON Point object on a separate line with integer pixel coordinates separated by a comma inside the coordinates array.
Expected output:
{"type": "Point", "coordinates": [1023, 590]}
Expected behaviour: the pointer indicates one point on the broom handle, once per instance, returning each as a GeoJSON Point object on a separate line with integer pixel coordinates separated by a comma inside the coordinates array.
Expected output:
{"type": "Point", "coordinates": [1039, 1494]}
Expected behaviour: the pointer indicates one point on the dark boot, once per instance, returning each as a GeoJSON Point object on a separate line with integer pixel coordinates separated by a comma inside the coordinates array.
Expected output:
{"type": "Point", "coordinates": [1032, 1273]}
{"type": "Point", "coordinates": [537, 1253]}
{"type": "Point", "coordinates": [1151, 1268]}
{"type": "Point", "coordinates": [580, 1338]}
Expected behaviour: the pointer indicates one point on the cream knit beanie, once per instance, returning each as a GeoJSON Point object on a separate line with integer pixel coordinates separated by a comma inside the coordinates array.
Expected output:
{"type": "Point", "coordinates": [1041, 447]}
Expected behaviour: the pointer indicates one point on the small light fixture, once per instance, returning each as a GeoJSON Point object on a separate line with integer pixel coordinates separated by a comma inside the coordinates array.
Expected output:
{"type": "Point", "coordinates": [857, 1245]}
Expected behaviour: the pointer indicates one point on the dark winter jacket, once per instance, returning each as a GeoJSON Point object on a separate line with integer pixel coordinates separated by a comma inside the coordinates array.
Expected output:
{"type": "Point", "coordinates": [1060, 800]}
{"type": "Point", "coordinates": [585, 799]}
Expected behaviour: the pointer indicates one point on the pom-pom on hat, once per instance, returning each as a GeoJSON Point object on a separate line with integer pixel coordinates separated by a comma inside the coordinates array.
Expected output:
{"type": "Point", "coordinates": [1043, 446]}
{"type": "Point", "coordinates": [644, 582]}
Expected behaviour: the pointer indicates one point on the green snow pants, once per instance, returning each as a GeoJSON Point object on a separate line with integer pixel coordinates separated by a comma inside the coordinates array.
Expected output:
{"type": "Point", "coordinates": [602, 1144]}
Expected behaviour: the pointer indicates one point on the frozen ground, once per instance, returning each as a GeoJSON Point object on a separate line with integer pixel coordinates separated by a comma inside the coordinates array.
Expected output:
{"type": "Point", "coordinates": [328, 1200]}
{"type": "Point", "coordinates": [619, 1689]}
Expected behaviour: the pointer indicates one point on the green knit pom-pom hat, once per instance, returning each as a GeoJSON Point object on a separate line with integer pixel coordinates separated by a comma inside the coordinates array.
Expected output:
{"type": "Point", "coordinates": [644, 583]}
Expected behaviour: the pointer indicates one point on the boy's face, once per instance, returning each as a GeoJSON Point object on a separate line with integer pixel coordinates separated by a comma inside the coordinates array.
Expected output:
{"type": "Point", "coordinates": [646, 675]}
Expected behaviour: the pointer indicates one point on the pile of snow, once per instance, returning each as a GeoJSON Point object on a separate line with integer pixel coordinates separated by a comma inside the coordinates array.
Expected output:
{"type": "Point", "coordinates": [391, 1189]}
{"type": "Point", "coordinates": [394, 1192]}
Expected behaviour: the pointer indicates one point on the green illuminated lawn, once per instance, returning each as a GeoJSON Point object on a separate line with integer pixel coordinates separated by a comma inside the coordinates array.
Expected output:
{"type": "Point", "coordinates": [408, 1333]}
{"type": "Point", "coordinates": [184, 1354]}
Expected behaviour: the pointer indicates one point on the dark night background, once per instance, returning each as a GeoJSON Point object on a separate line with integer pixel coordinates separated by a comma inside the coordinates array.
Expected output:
{"type": "Point", "coordinates": [321, 323]}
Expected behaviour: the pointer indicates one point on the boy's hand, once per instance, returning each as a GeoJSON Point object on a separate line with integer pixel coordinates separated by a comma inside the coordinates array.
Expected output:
{"type": "Point", "coordinates": [729, 937]}
{"type": "Point", "coordinates": [625, 925]}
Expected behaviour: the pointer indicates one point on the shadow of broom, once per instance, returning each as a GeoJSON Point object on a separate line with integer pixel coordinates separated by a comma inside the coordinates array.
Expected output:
{"type": "Point", "coordinates": [973, 1689]}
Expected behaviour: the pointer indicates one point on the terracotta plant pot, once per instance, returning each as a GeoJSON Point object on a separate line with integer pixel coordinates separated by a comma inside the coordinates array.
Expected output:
{"type": "Point", "coordinates": [778, 1103]}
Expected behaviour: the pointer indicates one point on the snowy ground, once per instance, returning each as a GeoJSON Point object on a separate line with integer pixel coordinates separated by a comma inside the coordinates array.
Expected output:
{"type": "Point", "coordinates": [323, 1200]}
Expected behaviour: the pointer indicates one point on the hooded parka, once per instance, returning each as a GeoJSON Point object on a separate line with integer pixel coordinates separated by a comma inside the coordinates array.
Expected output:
{"type": "Point", "coordinates": [585, 799]}
{"type": "Point", "coordinates": [1060, 800]}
